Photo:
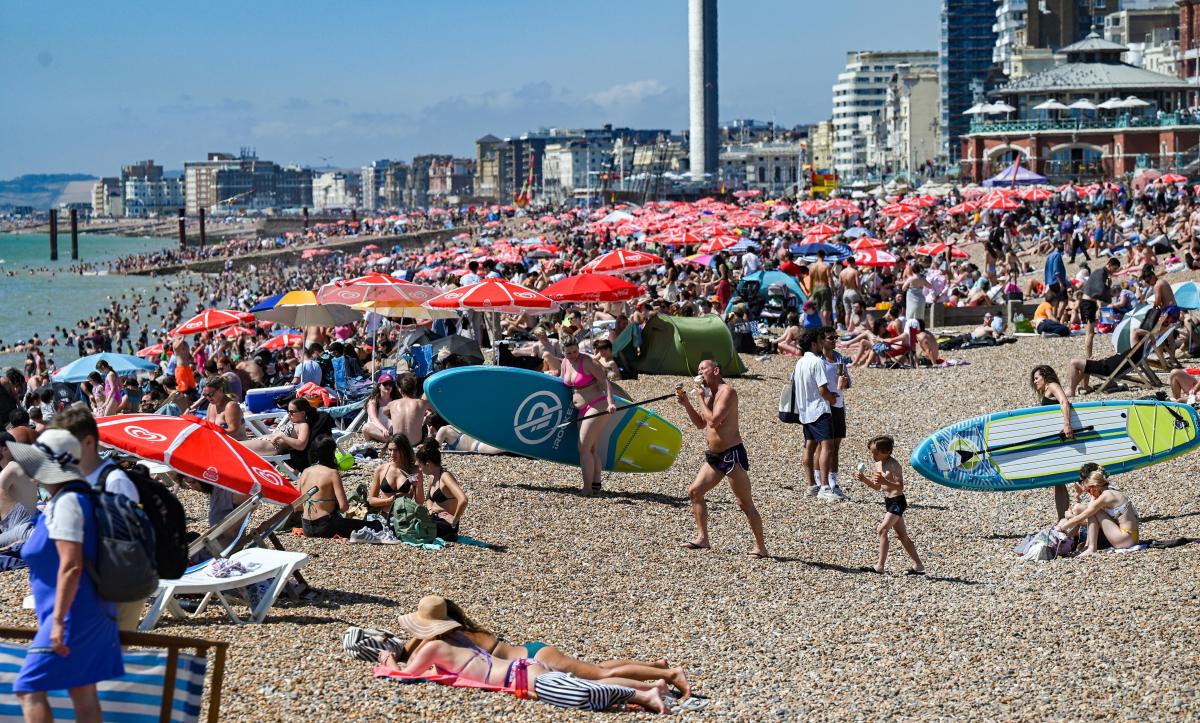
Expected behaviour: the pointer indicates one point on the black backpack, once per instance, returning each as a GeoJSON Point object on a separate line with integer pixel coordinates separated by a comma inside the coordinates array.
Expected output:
{"type": "Point", "coordinates": [166, 517]}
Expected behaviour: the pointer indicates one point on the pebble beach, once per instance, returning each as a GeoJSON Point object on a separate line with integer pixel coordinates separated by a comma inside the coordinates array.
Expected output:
{"type": "Point", "coordinates": [806, 634]}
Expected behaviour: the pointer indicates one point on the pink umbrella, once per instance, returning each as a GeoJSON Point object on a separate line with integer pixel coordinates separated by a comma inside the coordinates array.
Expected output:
{"type": "Point", "coordinates": [494, 295]}
{"type": "Point", "coordinates": [382, 288]}
{"type": "Point", "coordinates": [211, 320]}
{"type": "Point", "coordinates": [622, 261]}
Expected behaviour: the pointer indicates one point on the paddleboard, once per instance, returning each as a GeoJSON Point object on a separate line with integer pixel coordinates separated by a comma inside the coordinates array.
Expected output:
{"type": "Point", "coordinates": [520, 411]}
{"type": "Point", "coordinates": [1020, 449]}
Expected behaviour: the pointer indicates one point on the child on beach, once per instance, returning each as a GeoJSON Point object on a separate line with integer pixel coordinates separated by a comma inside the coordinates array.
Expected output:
{"type": "Point", "coordinates": [889, 479]}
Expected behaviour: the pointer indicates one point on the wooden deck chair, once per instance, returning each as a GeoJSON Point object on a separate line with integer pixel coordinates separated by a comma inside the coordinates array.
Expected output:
{"type": "Point", "coordinates": [161, 682]}
{"type": "Point", "coordinates": [1161, 342]}
{"type": "Point", "coordinates": [1139, 373]}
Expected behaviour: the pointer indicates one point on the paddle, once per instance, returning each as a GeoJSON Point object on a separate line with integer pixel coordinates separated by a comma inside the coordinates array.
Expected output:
{"type": "Point", "coordinates": [623, 406]}
{"type": "Point", "coordinates": [967, 454]}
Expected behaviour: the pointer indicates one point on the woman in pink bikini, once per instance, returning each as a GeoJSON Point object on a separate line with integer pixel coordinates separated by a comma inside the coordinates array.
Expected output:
{"type": "Point", "coordinates": [591, 392]}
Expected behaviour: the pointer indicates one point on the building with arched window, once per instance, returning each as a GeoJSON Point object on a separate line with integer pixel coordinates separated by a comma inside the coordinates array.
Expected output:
{"type": "Point", "coordinates": [1092, 117]}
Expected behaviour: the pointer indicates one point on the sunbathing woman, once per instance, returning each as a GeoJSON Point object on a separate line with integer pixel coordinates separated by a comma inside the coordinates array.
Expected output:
{"type": "Point", "coordinates": [441, 642]}
{"type": "Point", "coordinates": [378, 428]}
{"type": "Point", "coordinates": [1110, 511]}
{"type": "Point", "coordinates": [451, 439]}
{"type": "Point", "coordinates": [446, 501]}
{"type": "Point", "coordinates": [322, 515]}
{"type": "Point", "coordinates": [398, 477]}
{"type": "Point", "coordinates": [787, 342]}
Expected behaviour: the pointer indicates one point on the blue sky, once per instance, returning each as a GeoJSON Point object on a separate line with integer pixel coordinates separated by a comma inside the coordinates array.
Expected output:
{"type": "Point", "coordinates": [87, 86]}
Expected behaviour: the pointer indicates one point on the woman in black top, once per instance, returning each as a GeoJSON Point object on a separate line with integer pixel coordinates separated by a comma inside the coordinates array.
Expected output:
{"type": "Point", "coordinates": [446, 501]}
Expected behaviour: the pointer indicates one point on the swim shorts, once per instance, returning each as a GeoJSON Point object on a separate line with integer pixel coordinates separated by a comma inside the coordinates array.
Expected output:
{"type": "Point", "coordinates": [1087, 311]}
{"type": "Point", "coordinates": [822, 296]}
{"type": "Point", "coordinates": [821, 429]}
{"type": "Point", "coordinates": [724, 462]}
{"type": "Point", "coordinates": [837, 421]}
{"type": "Point", "coordinates": [895, 505]}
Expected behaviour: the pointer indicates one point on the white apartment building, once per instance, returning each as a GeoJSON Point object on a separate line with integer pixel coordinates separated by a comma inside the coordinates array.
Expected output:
{"type": "Point", "coordinates": [860, 93]}
{"type": "Point", "coordinates": [147, 198]}
{"type": "Point", "coordinates": [1010, 31]}
{"type": "Point", "coordinates": [912, 121]}
{"type": "Point", "coordinates": [570, 167]}
{"type": "Point", "coordinates": [770, 167]}
{"type": "Point", "coordinates": [330, 191]}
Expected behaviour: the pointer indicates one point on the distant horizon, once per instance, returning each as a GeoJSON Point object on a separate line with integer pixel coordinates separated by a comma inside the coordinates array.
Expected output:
{"type": "Point", "coordinates": [343, 86]}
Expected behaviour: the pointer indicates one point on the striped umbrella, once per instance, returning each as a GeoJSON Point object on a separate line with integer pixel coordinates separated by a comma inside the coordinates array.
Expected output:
{"type": "Point", "coordinates": [211, 320]}
{"type": "Point", "coordinates": [874, 257]}
{"type": "Point", "coordinates": [494, 295]}
{"type": "Point", "coordinates": [1123, 334]}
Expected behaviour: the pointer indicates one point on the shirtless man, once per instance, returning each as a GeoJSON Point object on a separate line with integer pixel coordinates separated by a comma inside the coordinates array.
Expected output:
{"type": "Point", "coordinates": [407, 413]}
{"type": "Point", "coordinates": [717, 414]}
{"type": "Point", "coordinates": [851, 289]}
{"type": "Point", "coordinates": [820, 277]}
{"type": "Point", "coordinates": [223, 410]}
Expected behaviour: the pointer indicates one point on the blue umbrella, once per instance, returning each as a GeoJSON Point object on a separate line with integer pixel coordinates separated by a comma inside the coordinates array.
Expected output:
{"type": "Point", "coordinates": [123, 364]}
{"type": "Point", "coordinates": [833, 252]}
{"type": "Point", "coordinates": [1187, 294]}
{"type": "Point", "coordinates": [267, 303]}
{"type": "Point", "coordinates": [277, 332]}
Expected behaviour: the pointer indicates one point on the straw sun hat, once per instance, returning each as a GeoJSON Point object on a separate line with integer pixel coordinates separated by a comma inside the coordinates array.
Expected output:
{"type": "Point", "coordinates": [430, 620]}
{"type": "Point", "coordinates": [53, 459]}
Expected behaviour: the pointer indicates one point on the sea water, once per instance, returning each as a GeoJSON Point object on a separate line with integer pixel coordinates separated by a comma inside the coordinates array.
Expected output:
{"type": "Point", "coordinates": [51, 296]}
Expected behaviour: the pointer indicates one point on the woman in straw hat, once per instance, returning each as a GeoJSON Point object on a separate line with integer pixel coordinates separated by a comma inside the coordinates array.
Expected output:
{"type": "Point", "coordinates": [76, 644]}
{"type": "Point", "coordinates": [440, 642]}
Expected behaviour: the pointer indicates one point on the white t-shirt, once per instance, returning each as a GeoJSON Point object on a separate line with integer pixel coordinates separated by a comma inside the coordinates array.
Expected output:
{"type": "Point", "coordinates": [831, 373]}
{"type": "Point", "coordinates": [809, 376]}
{"type": "Point", "coordinates": [118, 482]}
{"type": "Point", "coordinates": [64, 518]}
{"type": "Point", "coordinates": [751, 262]}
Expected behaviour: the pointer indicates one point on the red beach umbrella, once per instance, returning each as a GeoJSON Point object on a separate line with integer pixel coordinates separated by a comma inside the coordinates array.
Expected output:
{"type": "Point", "coordinates": [899, 222]}
{"type": "Point", "coordinates": [152, 350]}
{"type": "Point", "coordinates": [863, 243]}
{"type": "Point", "coordinates": [494, 295]}
{"type": "Point", "coordinates": [199, 449]}
{"type": "Point", "coordinates": [622, 261]}
{"type": "Point", "coordinates": [211, 320]}
{"type": "Point", "coordinates": [963, 208]}
{"type": "Point", "coordinates": [383, 288]}
{"type": "Point", "coordinates": [1173, 178]}
{"type": "Point", "coordinates": [718, 243]}
{"type": "Point", "coordinates": [874, 257]}
{"type": "Point", "coordinates": [236, 331]}
{"type": "Point", "coordinates": [677, 237]}
{"type": "Point", "coordinates": [822, 229]}
{"type": "Point", "coordinates": [1035, 194]}
{"type": "Point", "coordinates": [592, 288]}
{"type": "Point", "coordinates": [999, 202]}
{"type": "Point", "coordinates": [939, 249]}
{"type": "Point", "coordinates": [282, 341]}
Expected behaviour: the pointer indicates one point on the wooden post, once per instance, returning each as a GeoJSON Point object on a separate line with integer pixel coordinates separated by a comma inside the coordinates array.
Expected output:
{"type": "Point", "coordinates": [306, 218]}
{"type": "Point", "coordinates": [353, 215]}
{"type": "Point", "coordinates": [182, 229]}
{"type": "Point", "coordinates": [74, 235]}
{"type": "Point", "coordinates": [202, 238]}
{"type": "Point", "coordinates": [53, 235]}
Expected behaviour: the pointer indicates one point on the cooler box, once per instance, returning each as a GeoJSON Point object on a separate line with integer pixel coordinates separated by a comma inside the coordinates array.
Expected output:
{"type": "Point", "coordinates": [263, 400]}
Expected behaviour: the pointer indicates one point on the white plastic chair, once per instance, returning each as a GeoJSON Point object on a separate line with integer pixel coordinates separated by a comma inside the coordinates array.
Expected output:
{"type": "Point", "coordinates": [261, 564]}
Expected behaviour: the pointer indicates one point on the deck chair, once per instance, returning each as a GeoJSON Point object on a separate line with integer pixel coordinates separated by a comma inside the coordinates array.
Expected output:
{"type": "Point", "coordinates": [262, 565]}
{"type": "Point", "coordinates": [160, 684]}
{"type": "Point", "coordinates": [1139, 373]}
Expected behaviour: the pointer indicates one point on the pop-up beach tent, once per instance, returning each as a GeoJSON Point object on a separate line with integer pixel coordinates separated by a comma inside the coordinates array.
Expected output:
{"type": "Point", "coordinates": [677, 345]}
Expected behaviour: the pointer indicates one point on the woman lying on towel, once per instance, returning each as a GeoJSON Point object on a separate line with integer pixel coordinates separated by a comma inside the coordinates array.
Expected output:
{"type": "Point", "coordinates": [1110, 511]}
{"type": "Point", "coordinates": [451, 439]}
{"type": "Point", "coordinates": [440, 642]}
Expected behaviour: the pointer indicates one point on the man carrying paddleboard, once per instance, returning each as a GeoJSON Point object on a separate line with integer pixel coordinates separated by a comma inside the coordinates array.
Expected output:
{"type": "Point", "coordinates": [716, 412]}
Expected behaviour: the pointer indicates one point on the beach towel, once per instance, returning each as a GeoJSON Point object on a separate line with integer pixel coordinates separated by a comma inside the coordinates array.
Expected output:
{"type": "Point", "coordinates": [438, 543]}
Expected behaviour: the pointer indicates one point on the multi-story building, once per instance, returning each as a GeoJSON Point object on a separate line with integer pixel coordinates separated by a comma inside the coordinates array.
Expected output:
{"type": "Point", "coordinates": [1189, 44]}
{"type": "Point", "coordinates": [108, 198]}
{"type": "Point", "coordinates": [332, 190]}
{"type": "Point", "coordinates": [142, 171]}
{"type": "Point", "coordinates": [1010, 32]}
{"type": "Point", "coordinates": [373, 175]}
{"type": "Point", "coordinates": [968, 41]}
{"type": "Point", "coordinates": [416, 190]}
{"type": "Point", "coordinates": [820, 146]}
{"type": "Point", "coordinates": [145, 198]}
{"type": "Point", "coordinates": [860, 93]}
{"type": "Point", "coordinates": [293, 189]}
{"type": "Point", "coordinates": [770, 167]}
{"type": "Point", "coordinates": [491, 159]}
{"type": "Point", "coordinates": [200, 180]}
{"type": "Point", "coordinates": [394, 182]}
{"type": "Point", "coordinates": [570, 168]}
{"type": "Point", "coordinates": [1059, 23]}
{"type": "Point", "coordinates": [912, 121]}
{"type": "Point", "coordinates": [526, 151]}
{"type": "Point", "coordinates": [451, 179]}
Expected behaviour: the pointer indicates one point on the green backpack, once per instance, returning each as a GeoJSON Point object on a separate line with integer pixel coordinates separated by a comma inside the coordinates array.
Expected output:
{"type": "Point", "coordinates": [411, 522]}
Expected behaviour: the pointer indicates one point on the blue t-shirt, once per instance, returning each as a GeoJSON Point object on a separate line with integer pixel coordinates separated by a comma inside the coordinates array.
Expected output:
{"type": "Point", "coordinates": [309, 371]}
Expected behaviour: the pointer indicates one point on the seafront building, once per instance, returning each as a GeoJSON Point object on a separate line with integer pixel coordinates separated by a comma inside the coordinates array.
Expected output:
{"type": "Point", "coordinates": [911, 123]}
{"type": "Point", "coordinates": [334, 190]}
{"type": "Point", "coordinates": [373, 177]}
{"type": "Point", "coordinates": [451, 180]}
{"type": "Point", "coordinates": [491, 168]}
{"type": "Point", "coordinates": [1124, 119]}
{"type": "Point", "coordinates": [964, 59]}
{"type": "Point", "coordinates": [770, 167]}
{"type": "Point", "coordinates": [858, 100]}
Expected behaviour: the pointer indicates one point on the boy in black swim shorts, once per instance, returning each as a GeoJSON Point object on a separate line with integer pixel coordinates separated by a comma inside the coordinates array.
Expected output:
{"type": "Point", "coordinates": [889, 479]}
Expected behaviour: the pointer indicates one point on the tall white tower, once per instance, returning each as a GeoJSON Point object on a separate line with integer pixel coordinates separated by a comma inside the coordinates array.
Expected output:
{"type": "Point", "coordinates": [702, 87]}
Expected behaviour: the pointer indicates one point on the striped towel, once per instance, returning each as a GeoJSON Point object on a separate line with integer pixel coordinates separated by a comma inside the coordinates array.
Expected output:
{"type": "Point", "coordinates": [133, 698]}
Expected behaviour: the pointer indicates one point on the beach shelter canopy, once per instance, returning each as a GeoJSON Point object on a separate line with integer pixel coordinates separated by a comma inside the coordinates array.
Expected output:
{"type": "Point", "coordinates": [766, 279]}
{"type": "Point", "coordinates": [199, 449]}
{"type": "Point", "coordinates": [122, 364]}
{"type": "Point", "coordinates": [677, 345]}
{"type": "Point", "coordinates": [1015, 175]}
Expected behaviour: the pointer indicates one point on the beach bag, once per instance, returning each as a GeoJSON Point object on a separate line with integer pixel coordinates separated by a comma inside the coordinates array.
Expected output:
{"type": "Point", "coordinates": [366, 644]}
{"type": "Point", "coordinates": [1043, 546]}
{"type": "Point", "coordinates": [166, 516]}
{"type": "Point", "coordinates": [124, 568]}
{"type": "Point", "coordinates": [411, 522]}
{"type": "Point", "coordinates": [787, 403]}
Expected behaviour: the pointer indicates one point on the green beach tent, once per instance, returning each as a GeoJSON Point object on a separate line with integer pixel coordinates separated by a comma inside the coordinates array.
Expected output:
{"type": "Point", "coordinates": [677, 344]}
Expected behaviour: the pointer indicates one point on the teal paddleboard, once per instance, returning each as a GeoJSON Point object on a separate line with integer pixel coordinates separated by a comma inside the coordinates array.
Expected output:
{"type": "Point", "coordinates": [522, 412]}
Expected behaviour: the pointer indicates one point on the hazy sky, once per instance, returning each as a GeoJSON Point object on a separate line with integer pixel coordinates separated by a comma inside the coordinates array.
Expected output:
{"type": "Point", "coordinates": [86, 86]}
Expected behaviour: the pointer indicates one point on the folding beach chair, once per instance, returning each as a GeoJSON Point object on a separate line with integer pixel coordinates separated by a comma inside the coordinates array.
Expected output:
{"type": "Point", "coordinates": [1138, 373]}
{"type": "Point", "coordinates": [260, 566]}
{"type": "Point", "coordinates": [161, 684]}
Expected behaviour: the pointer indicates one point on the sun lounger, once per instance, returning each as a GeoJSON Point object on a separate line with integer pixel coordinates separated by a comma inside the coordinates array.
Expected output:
{"type": "Point", "coordinates": [164, 684]}
{"type": "Point", "coordinates": [262, 565]}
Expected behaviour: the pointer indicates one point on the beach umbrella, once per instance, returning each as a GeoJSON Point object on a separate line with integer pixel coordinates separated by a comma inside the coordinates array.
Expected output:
{"type": "Point", "coordinates": [621, 261]}
{"type": "Point", "coordinates": [998, 107]}
{"type": "Point", "coordinates": [282, 341]}
{"type": "Point", "coordinates": [267, 303]}
{"type": "Point", "coordinates": [1112, 104]}
{"type": "Point", "coordinates": [150, 351]}
{"type": "Point", "coordinates": [874, 257]}
{"type": "Point", "coordinates": [963, 208]}
{"type": "Point", "coordinates": [719, 243]}
{"type": "Point", "coordinates": [833, 252]}
{"type": "Point", "coordinates": [866, 242]}
{"type": "Point", "coordinates": [122, 364]}
{"type": "Point", "coordinates": [1124, 331]}
{"type": "Point", "coordinates": [301, 308]}
{"type": "Point", "coordinates": [390, 290]}
{"type": "Point", "coordinates": [406, 313]}
{"type": "Point", "coordinates": [900, 222]}
{"type": "Point", "coordinates": [677, 237]}
{"type": "Point", "coordinates": [1187, 294]}
{"type": "Point", "coordinates": [939, 249]}
{"type": "Point", "coordinates": [592, 288]}
{"type": "Point", "coordinates": [1173, 178]}
{"type": "Point", "coordinates": [1051, 104]}
{"type": "Point", "coordinates": [977, 109]}
{"type": "Point", "coordinates": [1035, 194]}
{"type": "Point", "coordinates": [211, 320]}
{"type": "Point", "coordinates": [494, 295]}
{"type": "Point", "coordinates": [855, 232]}
{"type": "Point", "coordinates": [1082, 104]}
{"type": "Point", "coordinates": [236, 331]}
{"type": "Point", "coordinates": [199, 449]}
{"type": "Point", "coordinates": [999, 202]}
{"type": "Point", "coordinates": [1133, 102]}
{"type": "Point", "coordinates": [822, 229]}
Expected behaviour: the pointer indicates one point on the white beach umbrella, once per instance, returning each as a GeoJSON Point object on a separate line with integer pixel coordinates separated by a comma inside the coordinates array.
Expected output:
{"type": "Point", "coordinates": [1051, 104]}
{"type": "Point", "coordinates": [1000, 107]}
{"type": "Point", "coordinates": [1134, 102]}
{"type": "Point", "coordinates": [1082, 104]}
{"type": "Point", "coordinates": [977, 109]}
{"type": "Point", "coordinates": [1112, 104]}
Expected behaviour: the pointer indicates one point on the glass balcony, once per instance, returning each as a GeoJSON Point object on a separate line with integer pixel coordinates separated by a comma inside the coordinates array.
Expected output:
{"type": "Point", "coordinates": [1124, 120]}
